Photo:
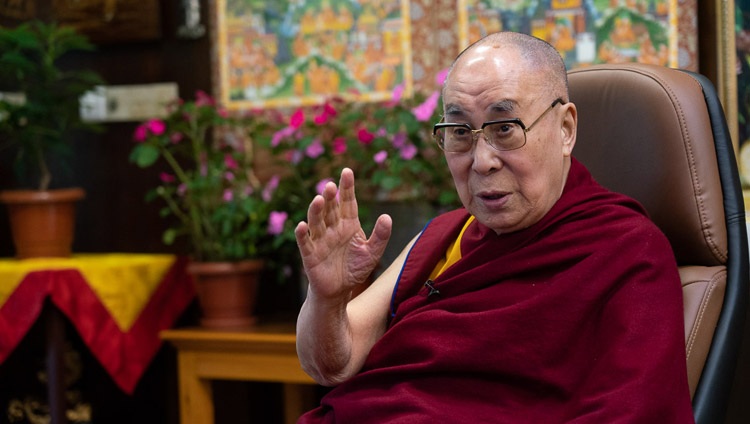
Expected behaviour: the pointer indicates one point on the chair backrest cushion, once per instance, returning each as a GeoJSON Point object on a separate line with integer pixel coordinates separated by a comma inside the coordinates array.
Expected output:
{"type": "Point", "coordinates": [645, 131]}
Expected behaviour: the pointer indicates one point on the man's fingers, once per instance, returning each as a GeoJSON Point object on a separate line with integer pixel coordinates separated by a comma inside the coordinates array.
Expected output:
{"type": "Point", "coordinates": [315, 219]}
{"type": "Point", "coordinates": [331, 213]}
{"type": "Point", "coordinates": [348, 201]}
{"type": "Point", "coordinates": [380, 235]}
{"type": "Point", "coordinates": [302, 234]}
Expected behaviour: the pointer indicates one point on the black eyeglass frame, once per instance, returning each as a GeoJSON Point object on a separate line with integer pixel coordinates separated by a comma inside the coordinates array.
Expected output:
{"type": "Point", "coordinates": [475, 133]}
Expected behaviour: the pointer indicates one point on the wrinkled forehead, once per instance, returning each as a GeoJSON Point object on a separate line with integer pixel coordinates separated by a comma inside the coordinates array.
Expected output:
{"type": "Point", "coordinates": [497, 71]}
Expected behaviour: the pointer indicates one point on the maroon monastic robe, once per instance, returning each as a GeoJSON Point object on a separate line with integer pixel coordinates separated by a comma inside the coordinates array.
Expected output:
{"type": "Point", "coordinates": [577, 318]}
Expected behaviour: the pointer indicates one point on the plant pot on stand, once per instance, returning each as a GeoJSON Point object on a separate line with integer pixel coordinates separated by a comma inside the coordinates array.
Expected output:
{"type": "Point", "coordinates": [42, 222]}
{"type": "Point", "coordinates": [227, 292]}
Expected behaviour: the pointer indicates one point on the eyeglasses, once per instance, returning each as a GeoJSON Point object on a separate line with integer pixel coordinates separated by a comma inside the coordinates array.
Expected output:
{"type": "Point", "coordinates": [505, 134]}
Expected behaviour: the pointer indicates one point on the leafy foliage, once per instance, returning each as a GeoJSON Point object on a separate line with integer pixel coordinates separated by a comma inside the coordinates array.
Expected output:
{"type": "Point", "coordinates": [36, 127]}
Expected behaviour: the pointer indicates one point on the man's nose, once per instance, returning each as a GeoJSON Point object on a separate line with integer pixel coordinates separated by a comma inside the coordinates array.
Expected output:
{"type": "Point", "coordinates": [486, 158]}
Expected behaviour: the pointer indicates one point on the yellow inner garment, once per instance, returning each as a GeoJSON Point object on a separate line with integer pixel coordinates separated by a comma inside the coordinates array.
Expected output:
{"type": "Point", "coordinates": [123, 282]}
{"type": "Point", "coordinates": [453, 254]}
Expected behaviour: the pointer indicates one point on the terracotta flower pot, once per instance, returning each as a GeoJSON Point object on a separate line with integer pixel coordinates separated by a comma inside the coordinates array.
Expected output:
{"type": "Point", "coordinates": [42, 222]}
{"type": "Point", "coordinates": [227, 292]}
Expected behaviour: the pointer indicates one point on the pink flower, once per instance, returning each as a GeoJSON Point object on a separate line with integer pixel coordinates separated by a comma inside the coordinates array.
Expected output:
{"type": "Point", "coordinates": [398, 91]}
{"type": "Point", "coordinates": [424, 111]}
{"type": "Point", "coordinates": [280, 134]}
{"type": "Point", "coordinates": [295, 156]}
{"type": "Point", "coordinates": [230, 162]}
{"type": "Point", "coordinates": [339, 145]}
{"type": "Point", "coordinates": [276, 222]}
{"type": "Point", "coordinates": [228, 195]}
{"type": "Point", "coordinates": [381, 132]}
{"type": "Point", "coordinates": [327, 112]}
{"type": "Point", "coordinates": [140, 133]}
{"type": "Point", "coordinates": [365, 137]}
{"type": "Point", "coordinates": [315, 149]}
{"type": "Point", "coordinates": [322, 184]}
{"type": "Point", "coordinates": [320, 119]}
{"type": "Point", "coordinates": [408, 151]}
{"type": "Point", "coordinates": [380, 157]}
{"type": "Point", "coordinates": [399, 140]}
{"type": "Point", "coordinates": [181, 190]}
{"type": "Point", "coordinates": [176, 137]}
{"type": "Point", "coordinates": [156, 126]}
{"type": "Point", "coordinates": [166, 178]}
{"type": "Point", "coordinates": [223, 113]}
{"type": "Point", "coordinates": [270, 188]}
{"type": "Point", "coordinates": [228, 176]}
{"type": "Point", "coordinates": [297, 119]}
{"type": "Point", "coordinates": [203, 99]}
{"type": "Point", "coordinates": [441, 76]}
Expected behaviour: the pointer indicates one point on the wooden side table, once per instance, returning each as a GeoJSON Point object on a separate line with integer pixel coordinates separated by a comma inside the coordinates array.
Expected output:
{"type": "Point", "coordinates": [264, 353]}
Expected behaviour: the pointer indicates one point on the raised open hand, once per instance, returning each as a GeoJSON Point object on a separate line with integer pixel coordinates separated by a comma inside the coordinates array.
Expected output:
{"type": "Point", "coordinates": [335, 251]}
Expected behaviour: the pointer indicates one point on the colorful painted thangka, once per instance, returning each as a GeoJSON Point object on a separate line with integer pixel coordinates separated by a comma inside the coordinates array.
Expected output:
{"type": "Point", "coordinates": [300, 52]}
{"type": "Point", "coordinates": [583, 31]}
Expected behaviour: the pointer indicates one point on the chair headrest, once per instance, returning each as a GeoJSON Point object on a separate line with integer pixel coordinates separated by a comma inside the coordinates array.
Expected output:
{"type": "Point", "coordinates": [645, 131]}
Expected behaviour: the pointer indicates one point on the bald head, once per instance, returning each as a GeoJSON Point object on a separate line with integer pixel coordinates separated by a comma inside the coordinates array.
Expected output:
{"type": "Point", "coordinates": [537, 56]}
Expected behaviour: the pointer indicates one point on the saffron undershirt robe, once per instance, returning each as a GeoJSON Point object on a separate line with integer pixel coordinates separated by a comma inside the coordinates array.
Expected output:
{"type": "Point", "coordinates": [576, 319]}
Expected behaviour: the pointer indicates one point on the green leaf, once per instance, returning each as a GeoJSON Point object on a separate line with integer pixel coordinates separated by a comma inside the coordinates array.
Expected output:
{"type": "Point", "coordinates": [169, 236]}
{"type": "Point", "coordinates": [144, 155]}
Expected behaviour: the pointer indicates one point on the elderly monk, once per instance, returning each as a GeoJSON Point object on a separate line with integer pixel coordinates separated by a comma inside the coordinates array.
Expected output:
{"type": "Point", "coordinates": [545, 299]}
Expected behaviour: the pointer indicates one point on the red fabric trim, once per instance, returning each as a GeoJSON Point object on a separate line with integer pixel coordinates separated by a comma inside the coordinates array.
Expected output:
{"type": "Point", "coordinates": [125, 356]}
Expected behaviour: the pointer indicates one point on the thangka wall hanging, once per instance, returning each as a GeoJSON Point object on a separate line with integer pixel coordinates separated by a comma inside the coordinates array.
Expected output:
{"type": "Point", "coordinates": [301, 52]}
{"type": "Point", "coordinates": [592, 31]}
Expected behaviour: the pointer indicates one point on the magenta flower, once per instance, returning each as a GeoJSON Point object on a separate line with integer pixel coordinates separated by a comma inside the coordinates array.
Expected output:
{"type": "Point", "coordinates": [156, 126]}
{"type": "Point", "coordinates": [281, 134]}
{"type": "Point", "coordinates": [398, 91]}
{"type": "Point", "coordinates": [270, 188]}
{"type": "Point", "coordinates": [297, 119]}
{"type": "Point", "coordinates": [320, 119]}
{"type": "Point", "coordinates": [228, 195]}
{"type": "Point", "coordinates": [229, 176]}
{"type": "Point", "coordinates": [380, 157]}
{"type": "Point", "coordinates": [408, 151]}
{"type": "Point", "coordinates": [365, 137]}
{"type": "Point", "coordinates": [140, 133]}
{"type": "Point", "coordinates": [166, 178]}
{"type": "Point", "coordinates": [325, 114]}
{"type": "Point", "coordinates": [424, 111]}
{"type": "Point", "coordinates": [329, 110]}
{"type": "Point", "coordinates": [339, 145]}
{"type": "Point", "coordinates": [276, 221]}
{"type": "Point", "coordinates": [230, 162]}
{"type": "Point", "coordinates": [315, 149]}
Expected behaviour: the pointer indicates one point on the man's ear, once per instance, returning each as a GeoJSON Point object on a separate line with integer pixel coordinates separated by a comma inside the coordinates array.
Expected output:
{"type": "Point", "coordinates": [568, 128]}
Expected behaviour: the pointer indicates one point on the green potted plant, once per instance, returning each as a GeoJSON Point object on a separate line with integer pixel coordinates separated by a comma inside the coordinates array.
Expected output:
{"type": "Point", "coordinates": [36, 125]}
{"type": "Point", "coordinates": [215, 200]}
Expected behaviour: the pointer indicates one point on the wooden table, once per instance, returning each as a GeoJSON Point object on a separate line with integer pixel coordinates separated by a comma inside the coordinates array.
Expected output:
{"type": "Point", "coordinates": [263, 353]}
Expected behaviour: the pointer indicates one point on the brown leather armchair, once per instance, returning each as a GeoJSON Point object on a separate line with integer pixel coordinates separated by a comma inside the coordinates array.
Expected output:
{"type": "Point", "coordinates": [659, 135]}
